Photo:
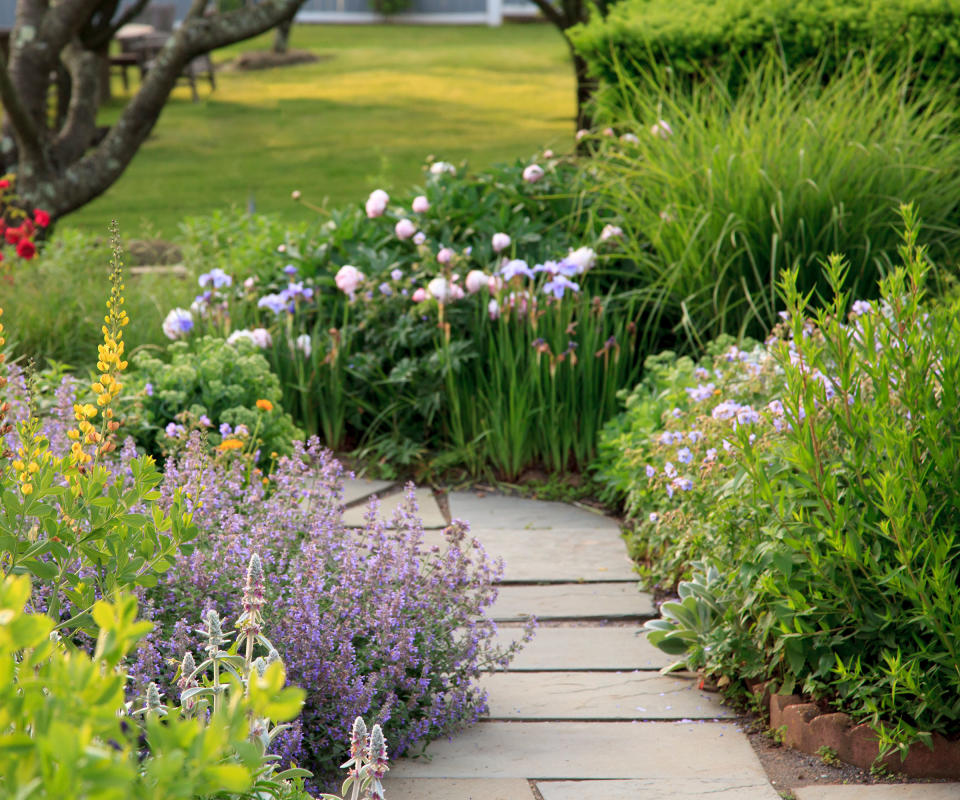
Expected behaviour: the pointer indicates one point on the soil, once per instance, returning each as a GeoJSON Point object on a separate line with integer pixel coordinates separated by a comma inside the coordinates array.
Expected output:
{"type": "Point", "coordinates": [788, 769]}
{"type": "Point", "coordinates": [270, 60]}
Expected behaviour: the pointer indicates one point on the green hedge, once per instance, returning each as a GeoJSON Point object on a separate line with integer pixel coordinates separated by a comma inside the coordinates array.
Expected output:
{"type": "Point", "coordinates": [695, 36]}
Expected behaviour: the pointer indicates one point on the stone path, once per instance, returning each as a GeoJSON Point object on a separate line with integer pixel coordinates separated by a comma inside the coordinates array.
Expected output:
{"type": "Point", "coordinates": [583, 713]}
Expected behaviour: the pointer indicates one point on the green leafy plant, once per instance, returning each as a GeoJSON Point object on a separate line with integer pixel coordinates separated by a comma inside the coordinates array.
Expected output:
{"type": "Point", "coordinates": [214, 385]}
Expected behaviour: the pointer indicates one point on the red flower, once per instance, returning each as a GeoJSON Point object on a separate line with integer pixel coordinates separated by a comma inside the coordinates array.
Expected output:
{"type": "Point", "coordinates": [13, 235]}
{"type": "Point", "coordinates": [4, 184]}
{"type": "Point", "coordinates": [26, 249]}
{"type": "Point", "coordinates": [42, 218]}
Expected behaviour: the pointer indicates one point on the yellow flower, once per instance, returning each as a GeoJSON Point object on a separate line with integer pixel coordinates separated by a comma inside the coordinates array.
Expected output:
{"type": "Point", "coordinates": [264, 405]}
{"type": "Point", "coordinates": [230, 444]}
{"type": "Point", "coordinates": [27, 488]}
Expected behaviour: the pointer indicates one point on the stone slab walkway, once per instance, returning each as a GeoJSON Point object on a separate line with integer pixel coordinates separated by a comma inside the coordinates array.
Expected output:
{"type": "Point", "coordinates": [583, 713]}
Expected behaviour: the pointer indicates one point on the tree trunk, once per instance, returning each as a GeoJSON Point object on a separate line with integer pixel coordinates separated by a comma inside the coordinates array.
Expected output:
{"type": "Point", "coordinates": [586, 86]}
{"type": "Point", "coordinates": [281, 39]}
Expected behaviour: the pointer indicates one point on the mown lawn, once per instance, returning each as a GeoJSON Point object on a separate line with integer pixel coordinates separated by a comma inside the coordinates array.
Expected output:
{"type": "Point", "coordinates": [380, 100]}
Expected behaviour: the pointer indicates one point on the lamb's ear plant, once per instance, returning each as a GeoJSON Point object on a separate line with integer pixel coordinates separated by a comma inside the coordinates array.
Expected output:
{"type": "Point", "coordinates": [366, 766]}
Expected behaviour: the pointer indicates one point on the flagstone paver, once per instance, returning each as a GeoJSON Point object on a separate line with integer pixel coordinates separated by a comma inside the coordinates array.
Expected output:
{"type": "Point", "coordinates": [599, 696]}
{"type": "Point", "coordinates": [899, 791]}
{"type": "Point", "coordinates": [497, 511]}
{"type": "Point", "coordinates": [755, 788]}
{"type": "Point", "coordinates": [553, 554]}
{"type": "Point", "coordinates": [429, 510]}
{"type": "Point", "coordinates": [583, 648]}
{"type": "Point", "coordinates": [577, 750]}
{"type": "Point", "coordinates": [356, 489]}
{"type": "Point", "coordinates": [458, 789]}
{"type": "Point", "coordinates": [584, 601]}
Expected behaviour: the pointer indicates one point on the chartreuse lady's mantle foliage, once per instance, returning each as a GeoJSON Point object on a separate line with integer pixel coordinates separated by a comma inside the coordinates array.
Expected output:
{"type": "Point", "coordinates": [815, 480]}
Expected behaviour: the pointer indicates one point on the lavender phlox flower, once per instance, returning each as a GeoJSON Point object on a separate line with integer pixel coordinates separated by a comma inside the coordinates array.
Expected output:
{"type": "Point", "coordinates": [701, 392]}
{"type": "Point", "coordinates": [396, 274]}
{"type": "Point", "coordinates": [676, 412]}
{"type": "Point", "coordinates": [694, 436]}
{"type": "Point", "coordinates": [667, 438]}
{"type": "Point", "coordinates": [701, 373]}
{"type": "Point", "coordinates": [241, 430]}
{"type": "Point", "coordinates": [385, 289]}
{"type": "Point", "coordinates": [225, 429]}
{"type": "Point", "coordinates": [514, 268]}
{"type": "Point", "coordinates": [148, 389]}
{"type": "Point", "coordinates": [725, 410]}
{"type": "Point", "coordinates": [684, 456]}
{"type": "Point", "coordinates": [654, 517]}
{"type": "Point", "coordinates": [174, 431]}
{"type": "Point", "coordinates": [747, 415]}
{"type": "Point", "coordinates": [727, 447]}
{"type": "Point", "coordinates": [861, 307]}
{"type": "Point", "coordinates": [669, 470]}
{"type": "Point", "coordinates": [290, 270]}
{"type": "Point", "coordinates": [683, 484]}
{"type": "Point", "coordinates": [710, 455]}
{"type": "Point", "coordinates": [651, 471]}
{"type": "Point", "coordinates": [204, 421]}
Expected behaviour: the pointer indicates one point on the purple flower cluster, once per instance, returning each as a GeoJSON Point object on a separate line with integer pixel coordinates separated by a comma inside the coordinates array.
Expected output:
{"type": "Point", "coordinates": [371, 621]}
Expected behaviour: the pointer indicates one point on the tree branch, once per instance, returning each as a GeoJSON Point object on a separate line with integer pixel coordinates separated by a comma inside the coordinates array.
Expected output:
{"type": "Point", "coordinates": [550, 12]}
{"type": "Point", "coordinates": [25, 131]}
{"type": "Point", "coordinates": [60, 24]}
{"type": "Point", "coordinates": [98, 169]}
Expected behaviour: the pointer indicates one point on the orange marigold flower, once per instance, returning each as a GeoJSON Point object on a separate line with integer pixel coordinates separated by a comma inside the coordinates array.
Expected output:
{"type": "Point", "coordinates": [264, 405]}
{"type": "Point", "coordinates": [230, 444]}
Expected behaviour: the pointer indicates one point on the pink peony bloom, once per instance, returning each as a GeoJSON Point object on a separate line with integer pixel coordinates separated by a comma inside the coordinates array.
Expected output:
{"type": "Point", "coordinates": [420, 204]}
{"type": "Point", "coordinates": [348, 278]}
{"type": "Point", "coordinates": [494, 284]}
{"type": "Point", "coordinates": [456, 292]}
{"type": "Point", "coordinates": [501, 241]}
{"type": "Point", "coordinates": [440, 289]}
{"type": "Point", "coordinates": [405, 229]}
{"type": "Point", "coordinates": [533, 173]}
{"type": "Point", "coordinates": [476, 280]}
{"type": "Point", "coordinates": [445, 256]}
{"type": "Point", "coordinates": [419, 295]}
{"type": "Point", "coordinates": [377, 203]}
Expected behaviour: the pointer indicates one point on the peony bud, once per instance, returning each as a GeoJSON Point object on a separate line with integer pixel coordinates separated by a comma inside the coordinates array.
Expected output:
{"type": "Point", "coordinates": [419, 295]}
{"type": "Point", "coordinates": [501, 241]}
{"type": "Point", "coordinates": [476, 280]}
{"type": "Point", "coordinates": [420, 238]}
{"type": "Point", "coordinates": [611, 232]}
{"type": "Point", "coordinates": [377, 203]}
{"type": "Point", "coordinates": [440, 289]}
{"type": "Point", "coordinates": [533, 173]}
{"type": "Point", "coordinates": [445, 256]}
{"type": "Point", "coordinates": [420, 204]}
{"type": "Point", "coordinates": [295, 194]}
{"type": "Point", "coordinates": [662, 129]}
{"type": "Point", "coordinates": [493, 309]}
{"type": "Point", "coordinates": [405, 229]}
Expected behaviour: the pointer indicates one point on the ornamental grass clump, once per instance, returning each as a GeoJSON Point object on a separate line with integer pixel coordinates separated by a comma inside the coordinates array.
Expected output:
{"type": "Point", "coordinates": [371, 621]}
{"type": "Point", "coordinates": [780, 175]}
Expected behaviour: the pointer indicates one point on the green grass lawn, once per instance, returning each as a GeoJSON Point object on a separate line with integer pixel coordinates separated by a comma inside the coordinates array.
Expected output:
{"type": "Point", "coordinates": [381, 99]}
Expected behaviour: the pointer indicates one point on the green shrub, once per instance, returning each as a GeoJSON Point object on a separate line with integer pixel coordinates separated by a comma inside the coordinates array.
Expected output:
{"type": "Point", "coordinates": [695, 37]}
{"type": "Point", "coordinates": [210, 385]}
{"type": "Point", "coordinates": [58, 300]}
{"type": "Point", "coordinates": [828, 504]}
{"type": "Point", "coordinates": [735, 189]}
